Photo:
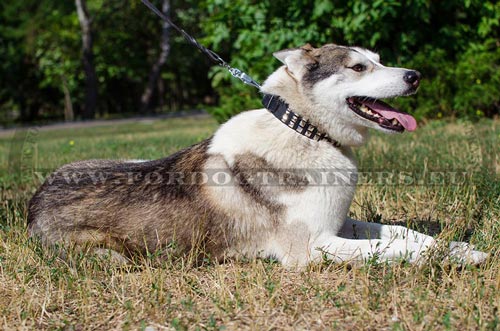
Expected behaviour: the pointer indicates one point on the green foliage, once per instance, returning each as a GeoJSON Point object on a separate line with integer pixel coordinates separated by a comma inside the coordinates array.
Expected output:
{"type": "Point", "coordinates": [56, 50]}
{"type": "Point", "coordinates": [478, 81]}
{"type": "Point", "coordinates": [455, 44]}
{"type": "Point", "coordinates": [40, 50]}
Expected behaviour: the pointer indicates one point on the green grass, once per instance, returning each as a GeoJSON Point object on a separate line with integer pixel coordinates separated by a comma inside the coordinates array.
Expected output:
{"type": "Point", "coordinates": [40, 291]}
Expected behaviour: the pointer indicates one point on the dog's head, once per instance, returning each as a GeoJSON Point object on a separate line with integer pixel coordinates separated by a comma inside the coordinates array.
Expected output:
{"type": "Point", "coordinates": [344, 84]}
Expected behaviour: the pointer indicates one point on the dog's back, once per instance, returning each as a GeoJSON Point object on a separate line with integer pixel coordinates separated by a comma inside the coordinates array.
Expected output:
{"type": "Point", "coordinates": [130, 206]}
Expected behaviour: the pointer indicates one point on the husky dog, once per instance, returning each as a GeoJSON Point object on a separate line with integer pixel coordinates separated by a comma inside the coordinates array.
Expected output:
{"type": "Point", "coordinates": [320, 104]}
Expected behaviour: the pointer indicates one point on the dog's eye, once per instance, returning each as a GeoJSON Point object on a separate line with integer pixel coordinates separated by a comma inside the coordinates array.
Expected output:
{"type": "Point", "coordinates": [358, 67]}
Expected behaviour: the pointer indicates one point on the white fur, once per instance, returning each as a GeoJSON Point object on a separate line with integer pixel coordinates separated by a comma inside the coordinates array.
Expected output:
{"type": "Point", "coordinates": [136, 161]}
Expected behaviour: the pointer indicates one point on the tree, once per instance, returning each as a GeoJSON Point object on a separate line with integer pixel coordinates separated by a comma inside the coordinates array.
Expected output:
{"type": "Point", "coordinates": [89, 108]}
{"type": "Point", "coordinates": [162, 58]}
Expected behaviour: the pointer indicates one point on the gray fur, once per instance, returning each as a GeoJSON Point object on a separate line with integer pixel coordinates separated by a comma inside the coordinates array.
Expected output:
{"type": "Point", "coordinates": [128, 211]}
{"type": "Point", "coordinates": [137, 208]}
{"type": "Point", "coordinates": [329, 59]}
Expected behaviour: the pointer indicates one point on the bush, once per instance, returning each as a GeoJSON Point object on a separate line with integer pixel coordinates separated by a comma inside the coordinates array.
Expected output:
{"type": "Point", "coordinates": [477, 79]}
{"type": "Point", "coordinates": [455, 44]}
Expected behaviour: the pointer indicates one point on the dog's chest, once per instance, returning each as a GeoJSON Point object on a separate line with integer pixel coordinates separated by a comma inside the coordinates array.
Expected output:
{"type": "Point", "coordinates": [323, 203]}
{"type": "Point", "coordinates": [315, 187]}
{"type": "Point", "coordinates": [308, 183]}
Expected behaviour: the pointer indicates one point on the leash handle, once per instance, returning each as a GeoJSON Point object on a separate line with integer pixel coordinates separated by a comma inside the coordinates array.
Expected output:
{"type": "Point", "coordinates": [209, 53]}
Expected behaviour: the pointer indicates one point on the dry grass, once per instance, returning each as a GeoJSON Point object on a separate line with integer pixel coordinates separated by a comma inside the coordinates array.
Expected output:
{"type": "Point", "coordinates": [39, 291]}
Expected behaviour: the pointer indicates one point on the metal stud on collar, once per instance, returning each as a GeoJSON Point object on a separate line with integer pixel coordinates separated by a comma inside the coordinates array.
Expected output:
{"type": "Point", "coordinates": [281, 110]}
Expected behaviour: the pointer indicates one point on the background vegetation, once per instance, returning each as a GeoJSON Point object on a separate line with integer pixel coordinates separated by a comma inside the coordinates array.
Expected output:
{"type": "Point", "coordinates": [455, 44]}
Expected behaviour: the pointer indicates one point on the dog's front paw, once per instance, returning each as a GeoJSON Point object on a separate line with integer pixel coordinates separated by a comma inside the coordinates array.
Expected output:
{"type": "Point", "coordinates": [463, 253]}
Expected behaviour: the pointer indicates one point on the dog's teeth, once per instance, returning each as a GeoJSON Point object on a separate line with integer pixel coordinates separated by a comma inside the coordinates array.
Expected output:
{"type": "Point", "coordinates": [395, 121]}
{"type": "Point", "coordinates": [365, 109]}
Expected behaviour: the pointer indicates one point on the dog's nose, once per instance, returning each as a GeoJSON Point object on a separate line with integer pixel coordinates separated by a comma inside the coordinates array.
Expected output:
{"type": "Point", "coordinates": [412, 77]}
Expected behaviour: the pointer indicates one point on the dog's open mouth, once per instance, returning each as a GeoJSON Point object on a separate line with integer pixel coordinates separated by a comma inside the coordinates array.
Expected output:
{"type": "Point", "coordinates": [381, 113]}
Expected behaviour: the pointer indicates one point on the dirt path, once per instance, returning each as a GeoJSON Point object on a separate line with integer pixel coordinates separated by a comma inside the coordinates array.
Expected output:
{"type": "Point", "coordinates": [95, 123]}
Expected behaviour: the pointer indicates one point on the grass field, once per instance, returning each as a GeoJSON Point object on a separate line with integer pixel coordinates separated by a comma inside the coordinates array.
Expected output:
{"type": "Point", "coordinates": [450, 189]}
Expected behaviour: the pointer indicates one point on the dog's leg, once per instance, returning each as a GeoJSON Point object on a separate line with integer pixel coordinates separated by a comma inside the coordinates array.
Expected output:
{"type": "Point", "coordinates": [463, 252]}
{"type": "Point", "coordinates": [110, 255]}
{"type": "Point", "coordinates": [353, 229]}
{"type": "Point", "coordinates": [460, 251]}
{"type": "Point", "coordinates": [355, 241]}
{"type": "Point", "coordinates": [348, 250]}
{"type": "Point", "coordinates": [361, 241]}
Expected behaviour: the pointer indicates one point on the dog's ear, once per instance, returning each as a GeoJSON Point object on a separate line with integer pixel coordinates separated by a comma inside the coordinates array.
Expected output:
{"type": "Point", "coordinates": [296, 59]}
{"type": "Point", "coordinates": [307, 47]}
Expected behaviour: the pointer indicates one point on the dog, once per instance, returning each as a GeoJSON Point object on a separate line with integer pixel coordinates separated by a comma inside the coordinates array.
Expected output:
{"type": "Point", "coordinates": [213, 196]}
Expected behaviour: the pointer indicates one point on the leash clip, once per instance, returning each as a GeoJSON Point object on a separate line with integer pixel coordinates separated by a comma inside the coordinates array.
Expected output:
{"type": "Point", "coordinates": [243, 77]}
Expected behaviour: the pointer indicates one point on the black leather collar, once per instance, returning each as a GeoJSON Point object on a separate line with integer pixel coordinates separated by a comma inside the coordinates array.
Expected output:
{"type": "Point", "coordinates": [281, 110]}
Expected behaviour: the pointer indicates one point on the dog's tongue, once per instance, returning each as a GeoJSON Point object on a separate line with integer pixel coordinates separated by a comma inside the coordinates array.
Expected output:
{"type": "Point", "coordinates": [406, 120]}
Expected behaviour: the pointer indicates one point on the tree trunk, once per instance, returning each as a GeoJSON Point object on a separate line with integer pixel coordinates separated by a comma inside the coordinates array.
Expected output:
{"type": "Point", "coordinates": [161, 93]}
{"type": "Point", "coordinates": [89, 108]}
{"type": "Point", "coordinates": [69, 115]}
{"type": "Point", "coordinates": [154, 74]}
